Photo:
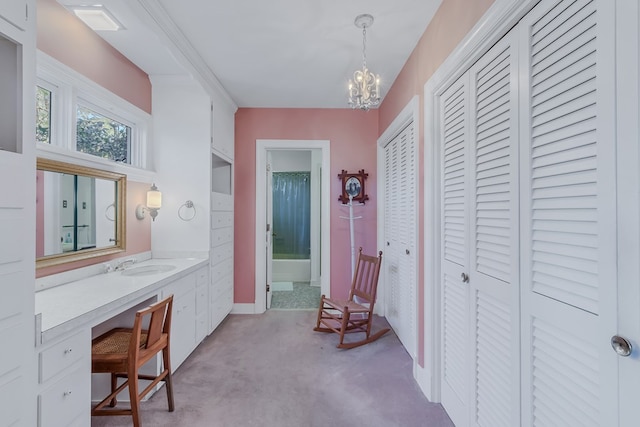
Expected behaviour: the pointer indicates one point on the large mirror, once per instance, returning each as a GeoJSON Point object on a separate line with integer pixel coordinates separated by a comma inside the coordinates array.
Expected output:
{"type": "Point", "coordinates": [80, 212]}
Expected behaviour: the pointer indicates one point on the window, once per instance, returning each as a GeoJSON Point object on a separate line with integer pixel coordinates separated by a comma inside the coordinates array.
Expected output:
{"type": "Point", "coordinates": [102, 136]}
{"type": "Point", "coordinates": [43, 115]}
{"type": "Point", "coordinates": [78, 118]}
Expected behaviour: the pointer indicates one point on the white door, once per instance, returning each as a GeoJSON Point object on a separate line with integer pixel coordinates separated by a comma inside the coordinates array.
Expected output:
{"type": "Point", "coordinates": [568, 207]}
{"type": "Point", "coordinates": [493, 273]}
{"type": "Point", "coordinates": [454, 147]}
{"type": "Point", "coordinates": [269, 230]}
{"type": "Point", "coordinates": [628, 205]}
{"type": "Point", "coordinates": [400, 228]}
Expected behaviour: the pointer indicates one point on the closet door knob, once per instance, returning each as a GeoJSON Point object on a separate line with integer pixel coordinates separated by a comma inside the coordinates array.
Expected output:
{"type": "Point", "coordinates": [464, 277]}
{"type": "Point", "coordinates": [406, 251]}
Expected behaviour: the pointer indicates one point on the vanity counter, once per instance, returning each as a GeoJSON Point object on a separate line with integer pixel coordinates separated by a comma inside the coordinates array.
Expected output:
{"type": "Point", "coordinates": [91, 300]}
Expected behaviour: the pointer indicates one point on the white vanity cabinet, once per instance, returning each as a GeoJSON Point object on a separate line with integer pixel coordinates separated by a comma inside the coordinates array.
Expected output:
{"type": "Point", "coordinates": [64, 381]}
{"type": "Point", "coordinates": [183, 320]}
{"type": "Point", "coordinates": [221, 288]}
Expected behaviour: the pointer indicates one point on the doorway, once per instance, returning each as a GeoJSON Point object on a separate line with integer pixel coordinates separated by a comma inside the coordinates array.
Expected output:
{"type": "Point", "coordinates": [294, 276]}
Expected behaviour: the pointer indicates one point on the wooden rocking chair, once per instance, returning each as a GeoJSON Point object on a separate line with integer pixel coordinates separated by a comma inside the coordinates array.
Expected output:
{"type": "Point", "coordinates": [356, 313]}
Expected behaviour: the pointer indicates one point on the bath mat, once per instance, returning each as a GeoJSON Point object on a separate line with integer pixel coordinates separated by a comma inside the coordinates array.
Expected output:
{"type": "Point", "coordinates": [282, 286]}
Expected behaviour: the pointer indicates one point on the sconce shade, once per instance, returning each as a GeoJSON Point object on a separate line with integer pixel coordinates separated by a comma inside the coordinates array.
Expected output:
{"type": "Point", "coordinates": [154, 198]}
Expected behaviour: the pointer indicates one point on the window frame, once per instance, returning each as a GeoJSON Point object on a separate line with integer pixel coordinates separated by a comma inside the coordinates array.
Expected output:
{"type": "Point", "coordinates": [69, 89]}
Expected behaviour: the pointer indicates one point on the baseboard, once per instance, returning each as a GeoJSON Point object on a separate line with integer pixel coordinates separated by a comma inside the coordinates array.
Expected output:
{"type": "Point", "coordinates": [423, 378]}
{"type": "Point", "coordinates": [243, 308]}
{"type": "Point", "coordinates": [316, 283]}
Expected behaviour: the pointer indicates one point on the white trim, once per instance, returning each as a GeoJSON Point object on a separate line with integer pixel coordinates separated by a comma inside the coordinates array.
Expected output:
{"type": "Point", "coordinates": [244, 308]}
{"type": "Point", "coordinates": [495, 23]}
{"type": "Point", "coordinates": [262, 146]}
{"type": "Point", "coordinates": [423, 378]}
{"type": "Point", "coordinates": [71, 89]}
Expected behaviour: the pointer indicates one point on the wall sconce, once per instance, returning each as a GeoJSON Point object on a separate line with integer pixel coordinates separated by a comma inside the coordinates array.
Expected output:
{"type": "Point", "coordinates": [154, 202]}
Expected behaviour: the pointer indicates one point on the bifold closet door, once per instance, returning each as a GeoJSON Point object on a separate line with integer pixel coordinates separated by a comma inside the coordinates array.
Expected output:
{"type": "Point", "coordinates": [568, 194]}
{"type": "Point", "coordinates": [400, 236]}
{"type": "Point", "coordinates": [480, 242]}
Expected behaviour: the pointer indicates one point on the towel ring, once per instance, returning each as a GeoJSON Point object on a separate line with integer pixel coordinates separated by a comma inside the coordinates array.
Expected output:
{"type": "Point", "coordinates": [107, 211]}
{"type": "Point", "coordinates": [186, 206]}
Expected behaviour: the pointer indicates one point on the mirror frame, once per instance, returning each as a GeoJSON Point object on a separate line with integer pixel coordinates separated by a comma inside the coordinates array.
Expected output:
{"type": "Point", "coordinates": [120, 219]}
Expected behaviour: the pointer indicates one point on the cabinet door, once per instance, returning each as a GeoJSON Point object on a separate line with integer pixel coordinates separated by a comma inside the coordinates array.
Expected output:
{"type": "Point", "coordinates": [16, 12]}
{"type": "Point", "coordinates": [183, 328]}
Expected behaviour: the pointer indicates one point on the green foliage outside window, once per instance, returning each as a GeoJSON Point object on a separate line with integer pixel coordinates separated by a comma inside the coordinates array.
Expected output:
{"type": "Point", "coordinates": [43, 115]}
{"type": "Point", "coordinates": [101, 136]}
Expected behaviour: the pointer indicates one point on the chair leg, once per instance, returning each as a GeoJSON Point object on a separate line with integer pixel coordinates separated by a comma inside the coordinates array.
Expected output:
{"type": "Point", "coordinates": [167, 380]}
{"type": "Point", "coordinates": [134, 397]}
{"type": "Point", "coordinates": [114, 385]}
{"type": "Point", "coordinates": [343, 327]}
{"type": "Point", "coordinates": [320, 311]}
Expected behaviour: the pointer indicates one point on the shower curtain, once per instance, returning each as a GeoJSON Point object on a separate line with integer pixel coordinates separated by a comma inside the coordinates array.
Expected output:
{"type": "Point", "coordinates": [291, 215]}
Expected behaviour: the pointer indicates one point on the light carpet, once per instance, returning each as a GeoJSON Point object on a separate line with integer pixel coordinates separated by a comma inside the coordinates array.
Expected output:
{"type": "Point", "coordinates": [273, 370]}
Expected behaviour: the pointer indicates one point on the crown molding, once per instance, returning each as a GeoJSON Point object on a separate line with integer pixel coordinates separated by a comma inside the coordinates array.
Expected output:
{"type": "Point", "coordinates": [180, 46]}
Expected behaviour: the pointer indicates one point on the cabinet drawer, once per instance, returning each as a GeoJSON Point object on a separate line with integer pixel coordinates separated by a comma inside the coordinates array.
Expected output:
{"type": "Point", "coordinates": [180, 287]}
{"type": "Point", "coordinates": [218, 271]}
{"type": "Point", "coordinates": [221, 202]}
{"type": "Point", "coordinates": [202, 327]}
{"type": "Point", "coordinates": [220, 219]}
{"type": "Point", "coordinates": [63, 354]}
{"type": "Point", "coordinates": [202, 297]}
{"type": "Point", "coordinates": [221, 253]}
{"type": "Point", "coordinates": [202, 277]}
{"type": "Point", "coordinates": [220, 236]}
{"type": "Point", "coordinates": [64, 401]}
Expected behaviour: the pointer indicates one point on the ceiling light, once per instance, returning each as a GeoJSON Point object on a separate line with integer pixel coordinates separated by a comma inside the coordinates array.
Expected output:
{"type": "Point", "coordinates": [364, 89]}
{"type": "Point", "coordinates": [97, 17]}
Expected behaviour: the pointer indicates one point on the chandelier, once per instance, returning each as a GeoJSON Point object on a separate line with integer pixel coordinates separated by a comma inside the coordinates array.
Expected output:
{"type": "Point", "coordinates": [364, 89]}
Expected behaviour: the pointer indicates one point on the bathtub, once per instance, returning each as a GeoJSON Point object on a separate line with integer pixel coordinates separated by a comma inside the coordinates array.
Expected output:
{"type": "Point", "coordinates": [291, 270]}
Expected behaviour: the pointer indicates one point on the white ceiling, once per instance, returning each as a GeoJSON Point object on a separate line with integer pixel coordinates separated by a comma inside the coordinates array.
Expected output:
{"type": "Point", "coordinates": [276, 53]}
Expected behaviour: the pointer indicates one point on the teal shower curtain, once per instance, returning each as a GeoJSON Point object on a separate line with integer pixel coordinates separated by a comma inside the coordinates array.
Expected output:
{"type": "Point", "coordinates": [291, 215]}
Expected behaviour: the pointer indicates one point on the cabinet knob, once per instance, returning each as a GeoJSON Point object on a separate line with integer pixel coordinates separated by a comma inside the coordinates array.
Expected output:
{"type": "Point", "coordinates": [406, 251]}
{"type": "Point", "coordinates": [68, 350]}
{"type": "Point", "coordinates": [67, 393]}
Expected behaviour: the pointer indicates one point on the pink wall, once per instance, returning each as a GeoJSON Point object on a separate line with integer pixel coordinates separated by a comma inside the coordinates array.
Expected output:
{"type": "Point", "coordinates": [138, 233]}
{"type": "Point", "coordinates": [449, 26]}
{"type": "Point", "coordinates": [64, 37]}
{"type": "Point", "coordinates": [67, 39]}
{"type": "Point", "coordinates": [353, 136]}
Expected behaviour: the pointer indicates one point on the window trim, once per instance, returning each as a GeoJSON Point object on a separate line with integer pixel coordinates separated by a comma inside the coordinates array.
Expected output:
{"type": "Point", "coordinates": [70, 89]}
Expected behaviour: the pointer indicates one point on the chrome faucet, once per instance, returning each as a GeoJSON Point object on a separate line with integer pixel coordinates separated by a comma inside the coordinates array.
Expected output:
{"type": "Point", "coordinates": [124, 264]}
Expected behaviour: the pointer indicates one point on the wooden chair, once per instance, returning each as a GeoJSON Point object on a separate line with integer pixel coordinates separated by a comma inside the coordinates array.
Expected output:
{"type": "Point", "coordinates": [356, 313]}
{"type": "Point", "coordinates": [122, 351]}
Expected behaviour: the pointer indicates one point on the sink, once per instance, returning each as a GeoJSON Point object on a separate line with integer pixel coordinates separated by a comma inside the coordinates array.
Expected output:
{"type": "Point", "coordinates": [147, 270]}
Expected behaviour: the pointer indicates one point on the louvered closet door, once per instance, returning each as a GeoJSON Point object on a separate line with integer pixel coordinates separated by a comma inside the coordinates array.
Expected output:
{"type": "Point", "coordinates": [568, 215]}
{"type": "Point", "coordinates": [401, 236]}
{"type": "Point", "coordinates": [390, 257]}
{"type": "Point", "coordinates": [454, 140]}
{"type": "Point", "coordinates": [493, 264]}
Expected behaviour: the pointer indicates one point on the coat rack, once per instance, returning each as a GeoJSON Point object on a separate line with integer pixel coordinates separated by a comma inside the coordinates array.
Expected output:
{"type": "Point", "coordinates": [352, 190]}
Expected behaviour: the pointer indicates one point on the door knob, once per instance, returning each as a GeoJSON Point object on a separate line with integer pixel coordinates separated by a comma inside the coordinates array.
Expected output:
{"type": "Point", "coordinates": [464, 277]}
{"type": "Point", "coordinates": [621, 345]}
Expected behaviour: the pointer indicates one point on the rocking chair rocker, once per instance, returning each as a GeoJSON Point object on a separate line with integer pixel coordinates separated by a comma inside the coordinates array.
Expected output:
{"type": "Point", "coordinates": [356, 313]}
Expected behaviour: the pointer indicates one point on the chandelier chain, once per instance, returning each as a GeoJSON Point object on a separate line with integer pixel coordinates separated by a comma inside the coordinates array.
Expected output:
{"type": "Point", "coordinates": [364, 46]}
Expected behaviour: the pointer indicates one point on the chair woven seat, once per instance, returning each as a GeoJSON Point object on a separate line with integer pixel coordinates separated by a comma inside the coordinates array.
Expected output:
{"type": "Point", "coordinates": [117, 342]}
